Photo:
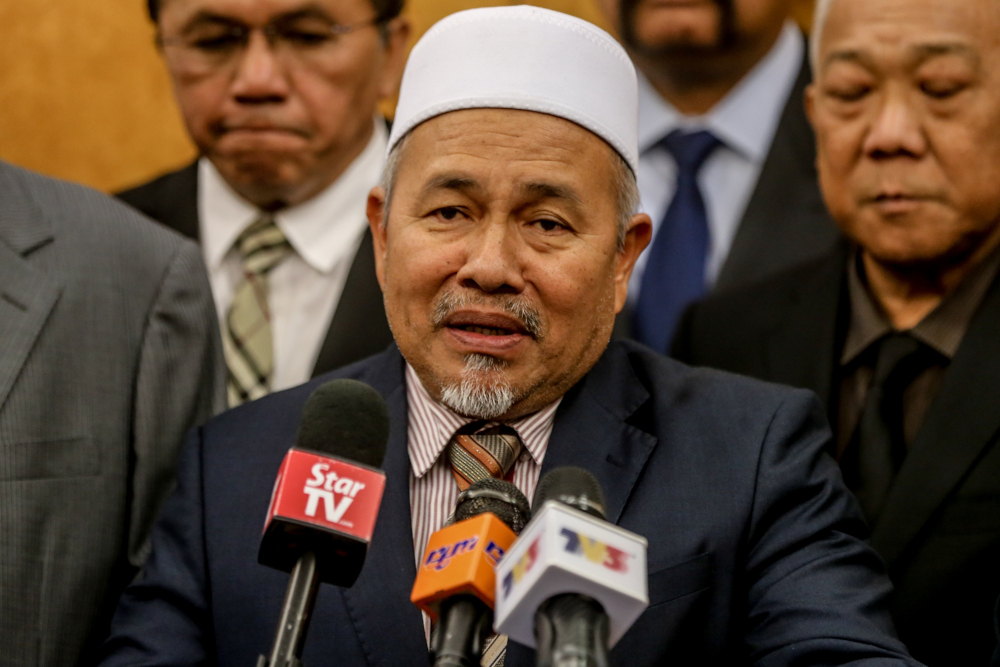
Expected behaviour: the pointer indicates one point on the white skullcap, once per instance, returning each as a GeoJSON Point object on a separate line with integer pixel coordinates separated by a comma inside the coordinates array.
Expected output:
{"type": "Point", "coordinates": [522, 58]}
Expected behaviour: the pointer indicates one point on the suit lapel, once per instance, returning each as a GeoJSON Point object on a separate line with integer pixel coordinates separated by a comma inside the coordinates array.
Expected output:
{"type": "Point", "coordinates": [389, 628]}
{"type": "Point", "coordinates": [591, 431]}
{"type": "Point", "coordinates": [802, 350]}
{"type": "Point", "coordinates": [785, 222]}
{"type": "Point", "coordinates": [27, 295]}
{"type": "Point", "coordinates": [359, 325]}
{"type": "Point", "coordinates": [962, 422]}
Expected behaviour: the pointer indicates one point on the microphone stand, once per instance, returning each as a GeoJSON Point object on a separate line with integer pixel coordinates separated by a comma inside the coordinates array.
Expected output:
{"type": "Point", "coordinates": [300, 598]}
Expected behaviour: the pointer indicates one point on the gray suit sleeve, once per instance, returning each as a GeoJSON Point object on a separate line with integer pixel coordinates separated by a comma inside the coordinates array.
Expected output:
{"type": "Point", "coordinates": [817, 594]}
{"type": "Point", "coordinates": [180, 384]}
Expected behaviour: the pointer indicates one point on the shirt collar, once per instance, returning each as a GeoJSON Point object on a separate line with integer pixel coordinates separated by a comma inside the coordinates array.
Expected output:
{"type": "Point", "coordinates": [318, 229]}
{"type": "Point", "coordinates": [431, 425]}
{"type": "Point", "coordinates": [942, 329]}
{"type": "Point", "coordinates": [746, 119]}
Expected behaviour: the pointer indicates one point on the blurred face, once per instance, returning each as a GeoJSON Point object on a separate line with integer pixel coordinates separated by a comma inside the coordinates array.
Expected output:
{"type": "Point", "coordinates": [665, 28]}
{"type": "Point", "coordinates": [906, 107]}
{"type": "Point", "coordinates": [499, 261]}
{"type": "Point", "coordinates": [276, 93]}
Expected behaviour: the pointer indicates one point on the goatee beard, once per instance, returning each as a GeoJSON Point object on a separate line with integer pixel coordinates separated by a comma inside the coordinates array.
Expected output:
{"type": "Point", "coordinates": [483, 392]}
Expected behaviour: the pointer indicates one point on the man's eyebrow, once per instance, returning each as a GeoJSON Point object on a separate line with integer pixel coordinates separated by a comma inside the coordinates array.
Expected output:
{"type": "Point", "coordinates": [931, 50]}
{"type": "Point", "coordinates": [542, 190]}
{"type": "Point", "coordinates": [453, 182]}
{"type": "Point", "coordinates": [921, 52]}
{"type": "Point", "coordinates": [846, 55]}
{"type": "Point", "coordinates": [208, 17]}
{"type": "Point", "coordinates": [309, 11]}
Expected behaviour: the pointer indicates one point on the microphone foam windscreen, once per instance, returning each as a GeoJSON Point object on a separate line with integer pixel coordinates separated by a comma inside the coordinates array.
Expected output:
{"type": "Point", "coordinates": [501, 498]}
{"type": "Point", "coordinates": [572, 486]}
{"type": "Point", "coordinates": [348, 419]}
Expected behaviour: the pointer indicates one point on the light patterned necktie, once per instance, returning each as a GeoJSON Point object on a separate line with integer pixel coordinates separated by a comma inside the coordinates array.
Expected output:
{"type": "Point", "coordinates": [247, 338]}
{"type": "Point", "coordinates": [476, 454]}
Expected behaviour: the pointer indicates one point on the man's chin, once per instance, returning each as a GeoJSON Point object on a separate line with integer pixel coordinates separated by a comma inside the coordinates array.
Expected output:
{"type": "Point", "coordinates": [262, 178]}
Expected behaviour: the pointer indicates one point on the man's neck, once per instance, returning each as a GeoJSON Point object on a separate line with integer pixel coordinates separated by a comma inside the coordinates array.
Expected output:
{"type": "Point", "coordinates": [695, 83]}
{"type": "Point", "coordinates": [909, 293]}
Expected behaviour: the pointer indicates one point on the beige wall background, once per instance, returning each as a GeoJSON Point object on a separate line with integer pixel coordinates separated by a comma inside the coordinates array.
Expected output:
{"type": "Point", "coordinates": [84, 96]}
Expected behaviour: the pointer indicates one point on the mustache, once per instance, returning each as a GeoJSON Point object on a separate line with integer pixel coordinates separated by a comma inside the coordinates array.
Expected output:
{"type": "Point", "coordinates": [517, 307]}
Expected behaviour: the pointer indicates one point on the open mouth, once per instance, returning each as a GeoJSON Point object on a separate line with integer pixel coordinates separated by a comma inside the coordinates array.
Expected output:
{"type": "Point", "coordinates": [489, 333]}
{"type": "Point", "coordinates": [485, 331]}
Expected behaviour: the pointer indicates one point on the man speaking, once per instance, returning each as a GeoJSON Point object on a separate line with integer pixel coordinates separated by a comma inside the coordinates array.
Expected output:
{"type": "Point", "coordinates": [504, 240]}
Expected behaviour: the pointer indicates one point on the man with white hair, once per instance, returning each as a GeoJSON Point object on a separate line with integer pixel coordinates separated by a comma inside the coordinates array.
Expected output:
{"type": "Point", "coordinates": [504, 236]}
{"type": "Point", "coordinates": [897, 331]}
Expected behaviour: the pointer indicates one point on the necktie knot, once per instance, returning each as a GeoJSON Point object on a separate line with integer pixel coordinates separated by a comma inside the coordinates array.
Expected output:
{"type": "Point", "coordinates": [262, 246]}
{"type": "Point", "coordinates": [478, 453]}
{"type": "Point", "coordinates": [900, 358]}
{"type": "Point", "coordinates": [690, 149]}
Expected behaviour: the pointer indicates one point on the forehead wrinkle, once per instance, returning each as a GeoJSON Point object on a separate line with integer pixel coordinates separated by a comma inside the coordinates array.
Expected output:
{"type": "Point", "coordinates": [544, 190]}
{"type": "Point", "coordinates": [918, 54]}
{"type": "Point", "coordinates": [455, 182]}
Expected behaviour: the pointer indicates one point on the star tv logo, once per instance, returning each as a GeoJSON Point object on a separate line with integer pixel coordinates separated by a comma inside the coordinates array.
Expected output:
{"type": "Point", "coordinates": [326, 486]}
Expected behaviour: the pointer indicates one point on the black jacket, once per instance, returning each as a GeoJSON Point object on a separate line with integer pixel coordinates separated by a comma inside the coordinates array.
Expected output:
{"type": "Point", "coordinates": [940, 531]}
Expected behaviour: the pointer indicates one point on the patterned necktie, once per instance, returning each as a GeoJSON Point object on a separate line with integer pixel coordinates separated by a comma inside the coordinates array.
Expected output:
{"type": "Point", "coordinates": [247, 339]}
{"type": "Point", "coordinates": [476, 454]}
{"type": "Point", "coordinates": [480, 454]}
{"type": "Point", "coordinates": [877, 448]}
{"type": "Point", "coordinates": [674, 276]}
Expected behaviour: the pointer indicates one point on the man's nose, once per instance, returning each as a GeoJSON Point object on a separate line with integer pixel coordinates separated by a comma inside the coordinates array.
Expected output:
{"type": "Point", "coordinates": [260, 76]}
{"type": "Point", "coordinates": [897, 130]}
{"type": "Point", "coordinates": [493, 260]}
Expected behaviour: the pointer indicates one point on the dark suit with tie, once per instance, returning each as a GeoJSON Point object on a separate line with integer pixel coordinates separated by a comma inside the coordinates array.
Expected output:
{"type": "Point", "coordinates": [939, 530]}
{"type": "Point", "coordinates": [756, 551]}
{"type": "Point", "coordinates": [785, 222]}
{"type": "Point", "coordinates": [359, 327]}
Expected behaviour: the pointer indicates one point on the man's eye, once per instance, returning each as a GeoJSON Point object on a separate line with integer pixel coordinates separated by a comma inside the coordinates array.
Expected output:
{"type": "Point", "coordinates": [849, 93]}
{"type": "Point", "coordinates": [547, 225]}
{"type": "Point", "coordinates": [219, 43]}
{"type": "Point", "coordinates": [448, 213]}
{"type": "Point", "coordinates": [305, 37]}
{"type": "Point", "coordinates": [941, 90]}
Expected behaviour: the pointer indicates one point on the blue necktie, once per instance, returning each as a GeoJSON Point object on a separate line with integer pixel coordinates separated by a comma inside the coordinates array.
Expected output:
{"type": "Point", "coordinates": [675, 271]}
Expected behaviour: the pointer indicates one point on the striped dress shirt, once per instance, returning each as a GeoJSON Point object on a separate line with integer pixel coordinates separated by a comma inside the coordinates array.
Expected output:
{"type": "Point", "coordinates": [433, 490]}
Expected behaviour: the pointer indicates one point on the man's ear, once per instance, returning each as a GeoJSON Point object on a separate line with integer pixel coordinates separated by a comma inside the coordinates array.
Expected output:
{"type": "Point", "coordinates": [640, 231]}
{"type": "Point", "coordinates": [376, 222]}
{"type": "Point", "coordinates": [810, 102]}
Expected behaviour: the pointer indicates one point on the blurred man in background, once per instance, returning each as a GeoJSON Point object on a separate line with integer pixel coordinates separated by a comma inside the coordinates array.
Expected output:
{"type": "Point", "coordinates": [726, 167]}
{"type": "Point", "coordinates": [280, 97]}
{"type": "Point", "coordinates": [109, 353]}
{"type": "Point", "coordinates": [898, 332]}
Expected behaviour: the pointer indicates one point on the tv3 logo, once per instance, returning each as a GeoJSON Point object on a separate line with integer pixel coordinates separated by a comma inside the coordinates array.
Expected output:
{"type": "Point", "coordinates": [441, 557]}
{"type": "Point", "coordinates": [521, 568]}
{"type": "Point", "coordinates": [594, 551]}
{"type": "Point", "coordinates": [323, 485]}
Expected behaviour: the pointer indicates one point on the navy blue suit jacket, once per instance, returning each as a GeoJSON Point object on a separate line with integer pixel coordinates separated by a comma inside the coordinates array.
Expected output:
{"type": "Point", "coordinates": [756, 551]}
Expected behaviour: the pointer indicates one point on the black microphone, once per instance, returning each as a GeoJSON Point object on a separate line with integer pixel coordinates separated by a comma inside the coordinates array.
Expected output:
{"type": "Point", "coordinates": [573, 583]}
{"type": "Point", "coordinates": [324, 504]}
{"type": "Point", "coordinates": [571, 629]}
{"type": "Point", "coordinates": [456, 582]}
